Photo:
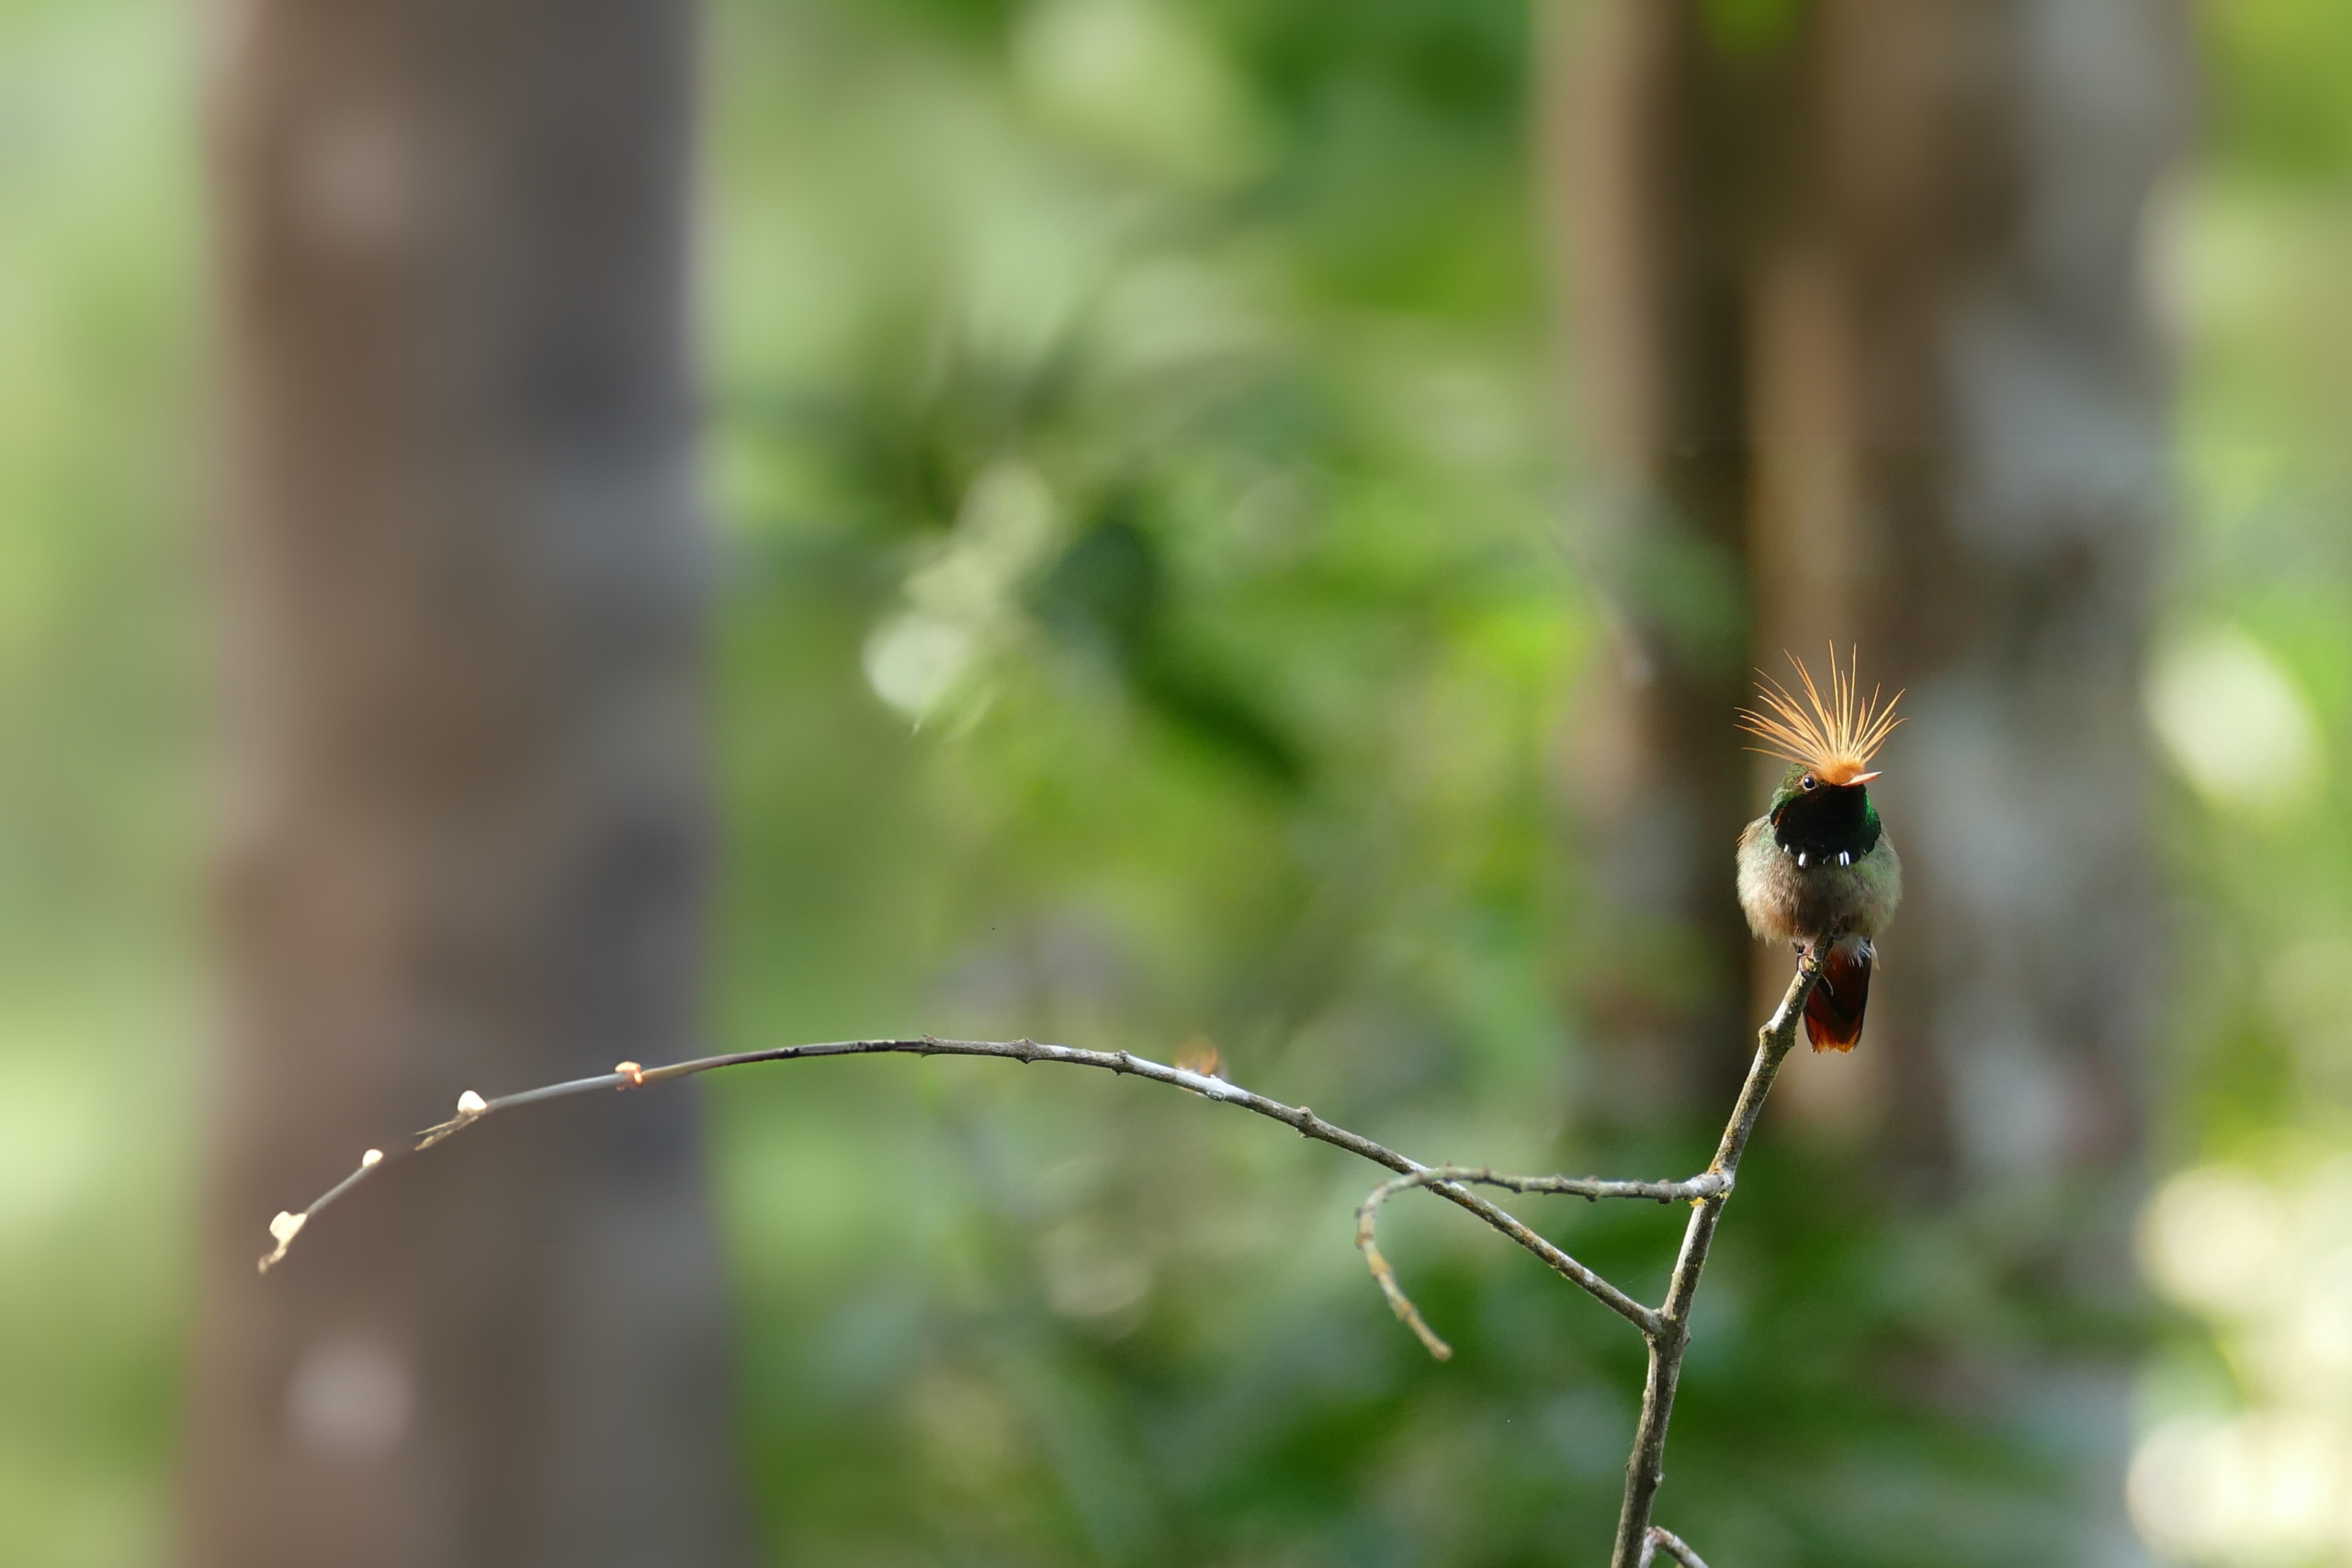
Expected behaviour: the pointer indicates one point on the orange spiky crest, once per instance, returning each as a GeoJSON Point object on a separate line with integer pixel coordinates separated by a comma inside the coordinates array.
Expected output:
{"type": "Point", "coordinates": [1836, 738]}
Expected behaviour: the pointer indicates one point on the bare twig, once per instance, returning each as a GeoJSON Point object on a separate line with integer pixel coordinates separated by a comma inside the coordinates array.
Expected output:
{"type": "Point", "coordinates": [1665, 1329]}
{"type": "Point", "coordinates": [1587, 1187]}
{"type": "Point", "coordinates": [1645, 1469]}
{"type": "Point", "coordinates": [473, 1108]}
{"type": "Point", "coordinates": [1659, 1538]}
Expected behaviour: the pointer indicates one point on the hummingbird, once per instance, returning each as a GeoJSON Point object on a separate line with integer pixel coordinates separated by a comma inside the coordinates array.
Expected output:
{"type": "Point", "coordinates": [1818, 863]}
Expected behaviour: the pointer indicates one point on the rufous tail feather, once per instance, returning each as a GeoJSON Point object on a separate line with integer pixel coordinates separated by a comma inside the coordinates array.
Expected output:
{"type": "Point", "coordinates": [1833, 1013]}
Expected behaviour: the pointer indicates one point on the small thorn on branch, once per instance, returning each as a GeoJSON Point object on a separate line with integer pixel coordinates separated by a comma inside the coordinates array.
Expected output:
{"type": "Point", "coordinates": [472, 1107]}
{"type": "Point", "coordinates": [1659, 1538]}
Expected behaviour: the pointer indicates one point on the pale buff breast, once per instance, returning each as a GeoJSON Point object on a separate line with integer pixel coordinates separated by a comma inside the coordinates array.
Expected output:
{"type": "Point", "coordinates": [1787, 903]}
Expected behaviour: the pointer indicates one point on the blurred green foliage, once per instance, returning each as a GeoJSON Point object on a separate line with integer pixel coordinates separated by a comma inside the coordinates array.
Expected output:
{"type": "Point", "coordinates": [1154, 604]}
{"type": "Point", "coordinates": [2277, 109]}
{"type": "Point", "coordinates": [98, 724]}
{"type": "Point", "coordinates": [2258, 1060]}
{"type": "Point", "coordinates": [1150, 609]}
{"type": "Point", "coordinates": [2251, 273]}
{"type": "Point", "coordinates": [1145, 622]}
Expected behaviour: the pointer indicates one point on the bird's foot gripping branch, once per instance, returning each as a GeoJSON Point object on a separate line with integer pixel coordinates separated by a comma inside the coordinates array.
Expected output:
{"type": "Point", "coordinates": [1666, 1327]}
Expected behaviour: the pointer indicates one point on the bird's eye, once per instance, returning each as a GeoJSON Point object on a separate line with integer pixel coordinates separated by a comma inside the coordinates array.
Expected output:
{"type": "Point", "coordinates": [1806, 783]}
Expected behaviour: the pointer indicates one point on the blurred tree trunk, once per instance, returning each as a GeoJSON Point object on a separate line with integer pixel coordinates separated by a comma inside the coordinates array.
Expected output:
{"type": "Point", "coordinates": [1859, 312]}
{"type": "Point", "coordinates": [462, 581]}
{"type": "Point", "coordinates": [1670, 153]}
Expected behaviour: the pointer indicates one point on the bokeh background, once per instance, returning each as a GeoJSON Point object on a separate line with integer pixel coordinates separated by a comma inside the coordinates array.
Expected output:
{"type": "Point", "coordinates": [1167, 592]}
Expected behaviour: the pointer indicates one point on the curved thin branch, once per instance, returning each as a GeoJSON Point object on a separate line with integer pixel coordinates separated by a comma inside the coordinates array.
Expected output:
{"type": "Point", "coordinates": [1590, 1187]}
{"type": "Point", "coordinates": [473, 1108]}
{"type": "Point", "coordinates": [1665, 1329]}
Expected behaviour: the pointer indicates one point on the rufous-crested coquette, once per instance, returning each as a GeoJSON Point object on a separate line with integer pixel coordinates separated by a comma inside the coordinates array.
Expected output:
{"type": "Point", "coordinates": [1818, 863]}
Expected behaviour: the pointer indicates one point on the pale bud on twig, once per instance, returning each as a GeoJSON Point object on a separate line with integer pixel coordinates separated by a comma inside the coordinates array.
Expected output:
{"type": "Point", "coordinates": [371, 1157]}
{"type": "Point", "coordinates": [472, 1104]}
{"type": "Point", "coordinates": [283, 1230]}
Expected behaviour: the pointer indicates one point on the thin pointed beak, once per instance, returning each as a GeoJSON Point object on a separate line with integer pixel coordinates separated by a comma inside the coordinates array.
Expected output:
{"type": "Point", "coordinates": [1862, 778]}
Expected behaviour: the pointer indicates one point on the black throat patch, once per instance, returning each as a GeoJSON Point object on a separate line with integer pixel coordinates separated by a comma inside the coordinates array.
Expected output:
{"type": "Point", "coordinates": [1825, 823]}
